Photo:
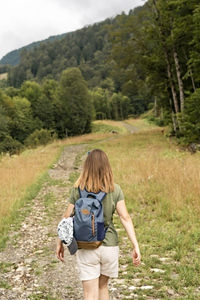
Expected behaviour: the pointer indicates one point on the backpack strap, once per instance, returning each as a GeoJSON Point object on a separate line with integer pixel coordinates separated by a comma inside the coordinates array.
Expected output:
{"type": "Point", "coordinates": [99, 196]}
{"type": "Point", "coordinates": [83, 194]}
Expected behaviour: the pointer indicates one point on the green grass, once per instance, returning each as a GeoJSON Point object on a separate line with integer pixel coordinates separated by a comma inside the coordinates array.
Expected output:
{"type": "Point", "coordinates": [73, 177]}
{"type": "Point", "coordinates": [4, 285]}
{"type": "Point", "coordinates": [42, 296]}
{"type": "Point", "coordinates": [4, 266]}
{"type": "Point", "coordinates": [163, 241]}
{"type": "Point", "coordinates": [103, 128]}
{"type": "Point", "coordinates": [49, 203]}
{"type": "Point", "coordinates": [166, 224]}
{"type": "Point", "coordinates": [17, 218]}
{"type": "Point", "coordinates": [142, 124]}
{"type": "Point", "coordinates": [56, 182]}
{"type": "Point", "coordinates": [108, 126]}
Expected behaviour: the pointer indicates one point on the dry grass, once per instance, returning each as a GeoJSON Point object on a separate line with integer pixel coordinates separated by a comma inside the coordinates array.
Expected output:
{"type": "Point", "coordinates": [152, 170]}
{"type": "Point", "coordinates": [86, 138]}
{"type": "Point", "coordinates": [3, 76]}
{"type": "Point", "coordinates": [149, 168]}
{"type": "Point", "coordinates": [161, 188]}
{"type": "Point", "coordinates": [19, 172]}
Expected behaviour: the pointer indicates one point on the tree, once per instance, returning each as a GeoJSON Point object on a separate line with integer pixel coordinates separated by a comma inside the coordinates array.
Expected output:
{"type": "Point", "coordinates": [156, 54]}
{"type": "Point", "coordinates": [75, 117]}
{"type": "Point", "coordinates": [194, 59]}
{"type": "Point", "coordinates": [22, 123]}
{"type": "Point", "coordinates": [130, 50]}
{"type": "Point", "coordinates": [88, 46]}
{"type": "Point", "coordinates": [191, 121]}
{"type": "Point", "coordinates": [101, 102]}
{"type": "Point", "coordinates": [32, 91]}
{"type": "Point", "coordinates": [120, 106]}
{"type": "Point", "coordinates": [4, 123]}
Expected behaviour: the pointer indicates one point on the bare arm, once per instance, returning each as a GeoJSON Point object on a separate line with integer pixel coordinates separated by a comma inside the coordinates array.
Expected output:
{"type": "Point", "coordinates": [60, 248]}
{"type": "Point", "coordinates": [128, 225]}
{"type": "Point", "coordinates": [69, 211]}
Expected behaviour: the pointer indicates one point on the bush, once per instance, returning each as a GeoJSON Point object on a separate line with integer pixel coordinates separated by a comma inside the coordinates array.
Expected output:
{"type": "Point", "coordinates": [39, 137]}
{"type": "Point", "coordinates": [10, 145]}
{"type": "Point", "coordinates": [191, 119]}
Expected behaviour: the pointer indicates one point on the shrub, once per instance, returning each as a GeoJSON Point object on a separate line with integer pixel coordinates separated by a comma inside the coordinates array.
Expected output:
{"type": "Point", "coordinates": [191, 119]}
{"type": "Point", "coordinates": [39, 137]}
{"type": "Point", "coordinates": [10, 145]}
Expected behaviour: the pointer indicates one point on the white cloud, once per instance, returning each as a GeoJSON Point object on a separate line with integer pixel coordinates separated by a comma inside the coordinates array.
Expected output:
{"type": "Point", "coordinates": [25, 21]}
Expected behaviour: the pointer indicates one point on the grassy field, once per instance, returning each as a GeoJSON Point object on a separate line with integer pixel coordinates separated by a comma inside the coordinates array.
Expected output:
{"type": "Point", "coordinates": [161, 187]}
{"type": "Point", "coordinates": [108, 126]}
{"type": "Point", "coordinates": [142, 124]}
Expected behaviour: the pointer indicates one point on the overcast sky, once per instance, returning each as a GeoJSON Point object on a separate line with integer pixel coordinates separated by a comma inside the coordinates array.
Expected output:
{"type": "Point", "coordinates": [25, 21]}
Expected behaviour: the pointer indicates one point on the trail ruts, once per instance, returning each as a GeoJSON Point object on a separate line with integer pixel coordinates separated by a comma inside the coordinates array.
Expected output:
{"type": "Point", "coordinates": [130, 128]}
{"type": "Point", "coordinates": [29, 267]}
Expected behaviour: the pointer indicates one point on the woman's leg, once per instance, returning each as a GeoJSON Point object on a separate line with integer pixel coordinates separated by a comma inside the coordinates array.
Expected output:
{"type": "Point", "coordinates": [91, 289]}
{"type": "Point", "coordinates": [103, 287]}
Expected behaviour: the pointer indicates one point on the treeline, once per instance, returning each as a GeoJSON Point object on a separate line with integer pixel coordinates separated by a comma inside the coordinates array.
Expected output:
{"type": "Point", "coordinates": [158, 53]}
{"type": "Point", "coordinates": [35, 114]}
{"type": "Point", "coordinates": [148, 59]}
{"type": "Point", "coordinates": [4, 68]}
{"type": "Point", "coordinates": [59, 87]}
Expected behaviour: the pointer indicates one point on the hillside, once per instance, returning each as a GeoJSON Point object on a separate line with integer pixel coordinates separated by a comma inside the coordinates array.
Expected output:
{"type": "Point", "coordinates": [145, 60]}
{"type": "Point", "coordinates": [13, 58]}
{"type": "Point", "coordinates": [54, 78]}
{"type": "Point", "coordinates": [88, 48]}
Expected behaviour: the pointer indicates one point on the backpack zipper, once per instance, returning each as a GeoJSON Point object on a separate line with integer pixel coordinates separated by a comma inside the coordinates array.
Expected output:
{"type": "Point", "coordinates": [93, 228]}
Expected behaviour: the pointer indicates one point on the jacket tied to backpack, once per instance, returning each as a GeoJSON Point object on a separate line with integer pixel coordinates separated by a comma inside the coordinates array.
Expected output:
{"type": "Point", "coordinates": [89, 229]}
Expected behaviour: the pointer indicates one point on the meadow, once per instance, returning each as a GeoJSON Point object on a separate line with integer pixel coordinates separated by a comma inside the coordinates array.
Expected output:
{"type": "Point", "coordinates": [161, 187]}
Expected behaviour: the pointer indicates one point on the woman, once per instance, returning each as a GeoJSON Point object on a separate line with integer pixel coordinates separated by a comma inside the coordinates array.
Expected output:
{"type": "Point", "coordinates": [97, 266]}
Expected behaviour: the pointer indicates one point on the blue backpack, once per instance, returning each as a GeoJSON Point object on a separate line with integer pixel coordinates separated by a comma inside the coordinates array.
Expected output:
{"type": "Point", "coordinates": [89, 230]}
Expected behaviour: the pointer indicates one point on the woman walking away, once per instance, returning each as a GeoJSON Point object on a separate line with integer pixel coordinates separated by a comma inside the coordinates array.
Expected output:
{"type": "Point", "coordinates": [96, 266]}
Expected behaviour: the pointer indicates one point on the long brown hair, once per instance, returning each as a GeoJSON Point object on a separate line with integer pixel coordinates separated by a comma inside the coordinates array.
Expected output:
{"type": "Point", "coordinates": [97, 173]}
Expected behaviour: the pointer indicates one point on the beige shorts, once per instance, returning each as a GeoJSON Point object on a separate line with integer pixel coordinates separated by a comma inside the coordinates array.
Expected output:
{"type": "Point", "coordinates": [93, 263]}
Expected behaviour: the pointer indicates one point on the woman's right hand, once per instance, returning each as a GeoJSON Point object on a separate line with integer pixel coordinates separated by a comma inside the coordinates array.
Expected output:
{"type": "Point", "coordinates": [60, 251]}
{"type": "Point", "coordinates": [136, 256]}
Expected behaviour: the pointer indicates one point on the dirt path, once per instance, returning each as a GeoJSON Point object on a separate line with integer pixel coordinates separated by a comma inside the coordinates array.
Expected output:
{"type": "Point", "coordinates": [29, 267]}
{"type": "Point", "coordinates": [131, 128]}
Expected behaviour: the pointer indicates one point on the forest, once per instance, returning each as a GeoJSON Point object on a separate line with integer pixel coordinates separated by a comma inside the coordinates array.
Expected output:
{"type": "Point", "coordinates": [146, 60]}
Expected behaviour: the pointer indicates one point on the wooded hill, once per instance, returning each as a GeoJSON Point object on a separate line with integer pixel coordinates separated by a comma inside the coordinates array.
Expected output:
{"type": "Point", "coordinates": [149, 58]}
{"type": "Point", "coordinates": [13, 58]}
